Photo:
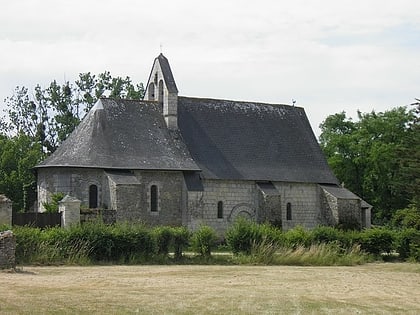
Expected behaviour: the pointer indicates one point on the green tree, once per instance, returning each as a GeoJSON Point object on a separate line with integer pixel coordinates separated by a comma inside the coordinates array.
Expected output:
{"type": "Point", "coordinates": [340, 144]}
{"type": "Point", "coordinates": [410, 158]}
{"type": "Point", "coordinates": [18, 155]}
{"type": "Point", "coordinates": [30, 116]}
{"type": "Point", "coordinates": [367, 156]}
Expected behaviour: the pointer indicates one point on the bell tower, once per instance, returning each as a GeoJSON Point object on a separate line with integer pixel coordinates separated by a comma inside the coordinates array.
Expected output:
{"type": "Point", "coordinates": [161, 87]}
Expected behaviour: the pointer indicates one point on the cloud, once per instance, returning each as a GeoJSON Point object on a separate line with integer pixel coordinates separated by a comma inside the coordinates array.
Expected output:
{"type": "Point", "coordinates": [329, 55]}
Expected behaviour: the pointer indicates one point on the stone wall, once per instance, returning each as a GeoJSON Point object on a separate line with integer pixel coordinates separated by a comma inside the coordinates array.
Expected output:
{"type": "Point", "coordinates": [5, 210]}
{"type": "Point", "coordinates": [304, 201]}
{"type": "Point", "coordinates": [238, 197]}
{"type": "Point", "coordinates": [7, 250]}
{"type": "Point", "coordinates": [171, 198]}
{"type": "Point", "coordinates": [129, 202]}
{"type": "Point", "coordinates": [242, 198]}
{"type": "Point", "coordinates": [329, 209]}
{"type": "Point", "coordinates": [73, 182]}
{"type": "Point", "coordinates": [105, 215]}
{"type": "Point", "coordinates": [344, 211]}
{"type": "Point", "coordinates": [129, 194]}
{"type": "Point", "coordinates": [349, 211]}
{"type": "Point", "coordinates": [270, 209]}
{"type": "Point", "coordinates": [132, 201]}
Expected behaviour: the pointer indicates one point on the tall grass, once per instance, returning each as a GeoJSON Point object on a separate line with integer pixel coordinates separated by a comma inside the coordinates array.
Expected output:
{"type": "Point", "coordinates": [323, 254]}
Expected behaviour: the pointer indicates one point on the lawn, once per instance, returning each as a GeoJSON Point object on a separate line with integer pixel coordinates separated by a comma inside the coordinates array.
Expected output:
{"type": "Point", "coordinates": [367, 289]}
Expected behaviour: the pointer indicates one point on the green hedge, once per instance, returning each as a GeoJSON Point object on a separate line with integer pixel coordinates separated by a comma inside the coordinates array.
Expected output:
{"type": "Point", "coordinates": [135, 243]}
{"type": "Point", "coordinates": [244, 234]}
{"type": "Point", "coordinates": [203, 241]}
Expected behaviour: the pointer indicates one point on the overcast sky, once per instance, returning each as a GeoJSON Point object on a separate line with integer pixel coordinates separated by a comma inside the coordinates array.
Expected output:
{"type": "Point", "coordinates": [328, 55]}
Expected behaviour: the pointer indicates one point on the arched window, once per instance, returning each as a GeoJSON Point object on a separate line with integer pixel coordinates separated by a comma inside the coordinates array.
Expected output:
{"type": "Point", "coordinates": [220, 210]}
{"type": "Point", "coordinates": [160, 96]}
{"type": "Point", "coordinates": [93, 196]}
{"type": "Point", "coordinates": [151, 91]}
{"type": "Point", "coordinates": [289, 211]}
{"type": "Point", "coordinates": [153, 198]}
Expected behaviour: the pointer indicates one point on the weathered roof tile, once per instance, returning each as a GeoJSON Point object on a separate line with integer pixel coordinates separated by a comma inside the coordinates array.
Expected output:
{"type": "Point", "coordinates": [122, 134]}
{"type": "Point", "coordinates": [252, 141]}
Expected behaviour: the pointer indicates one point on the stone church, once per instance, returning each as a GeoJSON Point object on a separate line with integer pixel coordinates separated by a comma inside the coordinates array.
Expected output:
{"type": "Point", "coordinates": [175, 160]}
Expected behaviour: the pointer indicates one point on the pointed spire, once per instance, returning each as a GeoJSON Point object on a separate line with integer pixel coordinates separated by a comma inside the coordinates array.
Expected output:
{"type": "Point", "coordinates": [161, 87]}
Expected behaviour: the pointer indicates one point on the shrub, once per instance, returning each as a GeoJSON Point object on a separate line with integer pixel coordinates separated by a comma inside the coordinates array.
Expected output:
{"type": "Point", "coordinates": [28, 240]}
{"type": "Point", "coordinates": [244, 234]}
{"type": "Point", "coordinates": [297, 236]}
{"type": "Point", "coordinates": [130, 242]}
{"type": "Point", "coordinates": [408, 244]}
{"type": "Point", "coordinates": [5, 227]}
{"type": "Point", "coordinates": [98, 236]}
{"type": "Point", "coordinates": [163, 237]}
{"type": "Point", "coordinates": [239, 236]}
{"type": "Point", "coordinates": [181, 237]}
{"type": "Point", "coordinates": [325, 234]}
{"type": "Point", "coordinates": [48, 246]}
{"type": "Point", "coordinates": [204, 240]}
{"type": "Point", "coordinates": [377, 240]}
{"type": "Point", "coordinates": [407, 218]}
{"type": "Point", "coordinates": [329, 234]}
{"type": "Point", "coordinates": [52, 206]}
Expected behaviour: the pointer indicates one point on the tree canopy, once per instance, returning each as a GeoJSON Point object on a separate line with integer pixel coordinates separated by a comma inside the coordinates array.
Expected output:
{"type": "Point", "coordinates": [376, 157]}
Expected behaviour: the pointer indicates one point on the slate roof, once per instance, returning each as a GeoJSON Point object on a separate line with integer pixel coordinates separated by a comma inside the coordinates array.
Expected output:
{"type": "Point", "coordinates": [167, 74]}
{"type": "Point", "coordinates": [268, 188]}
{"type": "Point", "coordinates": [224, 139]}
{"type": "Point", "coordinates": [252, 141]}
{"type": "Point", "coordinates": [343, 193]}
{"type": "Point", "coordinates": [122, 134]}
{"type": "Point", "coordinates": [340, 192]}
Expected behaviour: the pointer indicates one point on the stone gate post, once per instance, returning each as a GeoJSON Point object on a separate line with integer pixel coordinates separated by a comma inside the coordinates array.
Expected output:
{"type": "Point", "coordinates": [5, 210]}
{"type": "Point", "coordinates": [69, 207]}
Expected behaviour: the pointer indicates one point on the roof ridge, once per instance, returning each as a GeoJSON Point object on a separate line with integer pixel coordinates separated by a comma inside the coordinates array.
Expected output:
{"type": "Point", "coordinates": [126, 100]}
{"type": "Point", "coordinates": [236, 101]}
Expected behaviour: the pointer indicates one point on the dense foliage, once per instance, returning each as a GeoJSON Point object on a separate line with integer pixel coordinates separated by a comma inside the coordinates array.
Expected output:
{"type": "Point", "coordinates": [18, 155]}
{"type": "Point", "coordinates": [250, 243]}
{"type": "Point", "coordinates": [36, 122]}
{"type": "Point", "coordinates": [377, 157]}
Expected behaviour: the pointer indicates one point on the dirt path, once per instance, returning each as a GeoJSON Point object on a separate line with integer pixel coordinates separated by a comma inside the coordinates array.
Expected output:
{"type": "Point", "coordinates": [368, 289]}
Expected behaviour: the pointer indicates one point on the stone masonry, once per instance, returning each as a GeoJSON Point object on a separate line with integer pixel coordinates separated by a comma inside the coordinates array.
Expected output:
{"type": "Point", "coordinates": [70, 211]}
{"type": "Point", "coordinates": [7, 250]}
{"type": "Point", "coordinates": [241, 198]}
{"type": "Point", "coordinates": [5, 210]}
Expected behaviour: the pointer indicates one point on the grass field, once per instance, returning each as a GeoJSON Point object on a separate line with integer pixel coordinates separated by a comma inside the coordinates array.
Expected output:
{"type": "Point", "coordinates": [368, 289]}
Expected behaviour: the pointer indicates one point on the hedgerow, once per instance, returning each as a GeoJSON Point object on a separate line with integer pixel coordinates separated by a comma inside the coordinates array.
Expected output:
{"type": "Point", "coordinates": [95, 242]}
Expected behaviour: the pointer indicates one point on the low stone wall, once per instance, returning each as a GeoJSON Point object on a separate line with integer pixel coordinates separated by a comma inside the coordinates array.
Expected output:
{"type": "Point", "coordinates": [107, 216]}
{"type": "Point", "coordinates": [7, 250]}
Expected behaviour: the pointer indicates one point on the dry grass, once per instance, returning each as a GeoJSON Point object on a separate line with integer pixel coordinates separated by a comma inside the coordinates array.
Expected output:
{"type": "Point", "coordinates": [367, 289]}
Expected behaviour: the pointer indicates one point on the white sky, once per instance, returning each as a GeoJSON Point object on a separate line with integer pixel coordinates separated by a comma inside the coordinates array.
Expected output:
{"type": "Point", "coordinates": [329, 55]}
